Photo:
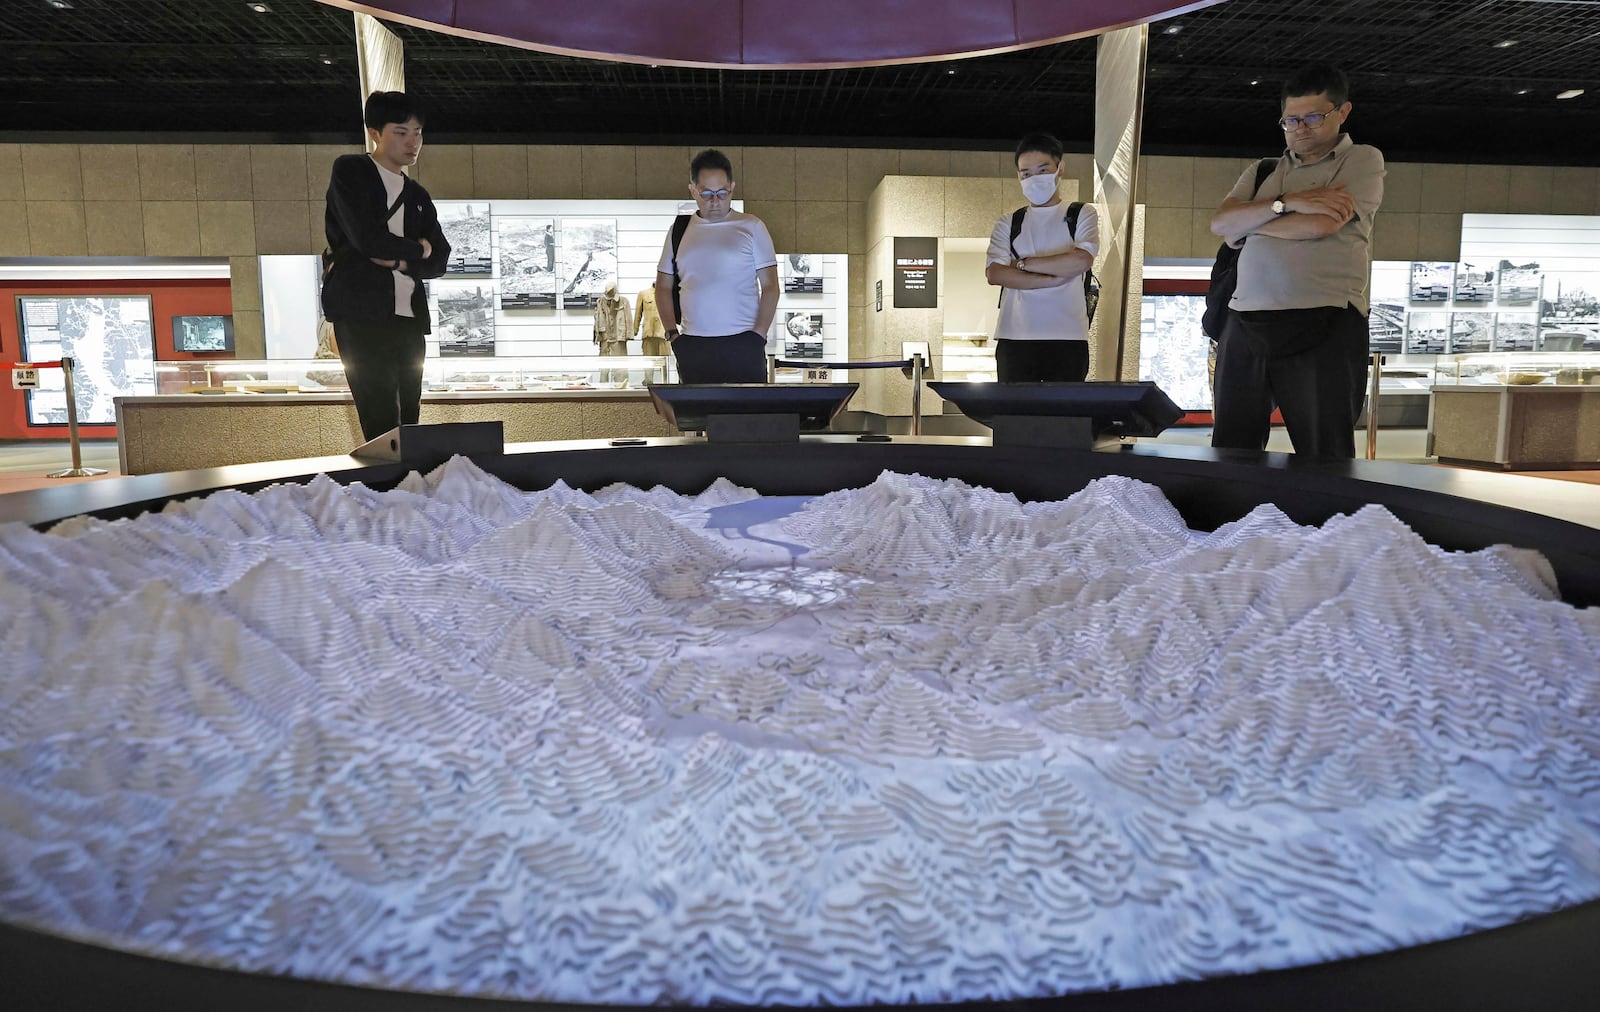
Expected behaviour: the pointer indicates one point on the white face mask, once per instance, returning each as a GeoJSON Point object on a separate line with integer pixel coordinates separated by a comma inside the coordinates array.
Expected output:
{"type": "Point", "coordinates": [1039, 189]}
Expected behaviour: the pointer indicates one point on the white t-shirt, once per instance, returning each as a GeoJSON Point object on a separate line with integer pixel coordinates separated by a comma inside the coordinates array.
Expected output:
{"type": "Point", "coordinates": [1045, 314]}
{"type": "Point", "coordinates": [717, 264]}
{"type": "Point", "coordinates": [393, 183]}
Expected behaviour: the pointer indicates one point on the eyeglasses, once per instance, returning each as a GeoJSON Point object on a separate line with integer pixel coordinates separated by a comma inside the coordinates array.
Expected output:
{"type": "Point", "coordinates": [1310, 121]}
{"type": "Point", "coordinates": [714, 194]}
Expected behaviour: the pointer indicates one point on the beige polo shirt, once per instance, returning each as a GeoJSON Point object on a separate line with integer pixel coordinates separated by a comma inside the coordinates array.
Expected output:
{"type": "Point", "coordinates": [1334, 270]}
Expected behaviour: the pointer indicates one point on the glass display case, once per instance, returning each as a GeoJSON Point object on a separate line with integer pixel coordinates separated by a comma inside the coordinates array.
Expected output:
{"type": "Point", "coordinates": [439, 375]}
{"type": "Point", "coordinates": [1517, 410]}
{"type": "Point", "coordinates": [1541, 368]}
{"type": "Point", "coordinates": [967, 358]}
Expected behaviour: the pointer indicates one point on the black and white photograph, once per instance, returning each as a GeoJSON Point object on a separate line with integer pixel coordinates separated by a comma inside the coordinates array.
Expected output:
{"type": "Point", "coordinates": [1427, 333]}
{"type": "Point", "coordinates": [109, 338]}
{"type": "Point", "coordinates": [1474, 284]}
{"type": "Point", "coordinates": [1386, 327]}
{"type": "Point", "coordinates": [466, 226]}
{"type": "Point", "coordinates": [1431, 281]}
{"type": "Point", "coordinates": [1471, 332]}
{"type": "Point", "coordinates": [802, 274]}
{"type": "Point", "coordinates": [527, 262]}
{"type": "Point", "coordinates": [802, 326]}
{"type": "Point", "coordinates": [1570, 306]}
{"type": "Point", "coordinates": [1518, 284]}
{"type": "Point", "coordinates": [588, 258]}
{"type": "Point", "coordinates": [1515, 331]}
{"type": "Point", "coordinates": [202, 334]}
{"type": "Point", "coordinates": [465, 328]}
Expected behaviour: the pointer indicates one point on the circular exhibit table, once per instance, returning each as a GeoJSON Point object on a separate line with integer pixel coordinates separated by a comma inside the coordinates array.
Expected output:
{"type": "Point", "coordinates": [1546, 961]}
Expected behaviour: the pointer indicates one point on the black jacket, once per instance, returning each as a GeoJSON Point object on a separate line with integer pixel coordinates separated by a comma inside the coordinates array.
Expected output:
{"type": "Point", "coordinates": [358, 229]}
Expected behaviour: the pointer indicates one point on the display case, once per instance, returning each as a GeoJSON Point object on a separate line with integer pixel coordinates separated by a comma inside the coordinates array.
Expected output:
{"type": "Point", "coordinates": [1517, 410]}
{"type": "Point", "coordinates": [215, 412]}
{"type": "Point", "coordinates": [1542, 368]}
{"type": "Point", "coordinates": [439, 375]}
{"type": "Point", "coordinates": [967, 358]}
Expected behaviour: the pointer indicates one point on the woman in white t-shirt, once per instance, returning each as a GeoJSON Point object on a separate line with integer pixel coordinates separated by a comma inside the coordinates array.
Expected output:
{"type": "Point", "coordinates": [1043, 332]}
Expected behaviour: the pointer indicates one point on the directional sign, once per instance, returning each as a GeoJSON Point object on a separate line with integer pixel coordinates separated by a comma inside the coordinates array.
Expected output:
{"type": "Point", "coordinates": [25, 379]}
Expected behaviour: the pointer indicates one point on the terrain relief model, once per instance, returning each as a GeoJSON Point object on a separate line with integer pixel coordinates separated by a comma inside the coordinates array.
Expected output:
{"type": "Point", "coordinates": [914, 741]}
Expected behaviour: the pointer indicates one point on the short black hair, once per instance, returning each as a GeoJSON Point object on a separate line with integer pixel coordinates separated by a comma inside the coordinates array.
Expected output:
{"type": "Point", "coordinates": [1045, 144]}
{"type": "Point", "coordinates": [385, 107]}
{"type": "Point", "coordinates": [710, 158]}
{"type": "Point", "coordinates": [1316, 78]}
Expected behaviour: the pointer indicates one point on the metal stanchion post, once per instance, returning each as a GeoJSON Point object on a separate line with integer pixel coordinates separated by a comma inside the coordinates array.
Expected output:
{"type": "Point", "coordinates": [77, 470]}
{"type": "Point", "coordinates": [772, 368]}
{"type": "Point", "coordinates": [916, 394]}
{"type": "Point", "coordinates": [1372, 407]}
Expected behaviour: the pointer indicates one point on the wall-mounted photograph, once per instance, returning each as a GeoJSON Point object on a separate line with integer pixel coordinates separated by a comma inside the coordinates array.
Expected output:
{"type": "Point", "coordinates": [1427, 333]}
{"type": "Point", "coordinates": [588, 257]}
{"type": "Point", "coordinates": [1474, 283]}
{"type": "Point", "coordinates": [803, 326]}
{"type": "Point", "coordinates": [466, 226]}
{"type": "Point", "coordinates": [527, 262]}
{"type": "Point", "coordinates": [1515, 331]}
{"type": "Point", "coordinates": [802, 273]}
{"type": "Point", "coordinates": [1471, 332]}
{"type": "Point", "coordinates": [1431, 281]}
{"type": "Point", "coordinates": [465, 327]}
{"type": "Point", "coordinates": [1570, 306]}
{"type": "Point", "coordinates": [1518, 284]}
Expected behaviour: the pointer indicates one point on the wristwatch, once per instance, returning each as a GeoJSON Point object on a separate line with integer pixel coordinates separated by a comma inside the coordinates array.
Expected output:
{"type": "Point", "coordinates": [674, 334]}
{"type": "Point", "coordinates": [1278, 206]}
{"type": "Point", "coordinates": [1021, 263]}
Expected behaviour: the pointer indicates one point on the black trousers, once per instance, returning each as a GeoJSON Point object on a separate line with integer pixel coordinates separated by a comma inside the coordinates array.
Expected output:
{"type": "Point", "coordinates": [1311, 362]}
{"type": "Point", "coordinates": [1041, 361]}
{"type": "Point", "coordinates": [383, 364]}
{"type": "Point", "coordinates": [737, 358]}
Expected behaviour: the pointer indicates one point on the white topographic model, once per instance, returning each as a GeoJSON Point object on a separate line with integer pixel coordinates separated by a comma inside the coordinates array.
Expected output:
{"type": "Point", "coordinates": [916, 741]}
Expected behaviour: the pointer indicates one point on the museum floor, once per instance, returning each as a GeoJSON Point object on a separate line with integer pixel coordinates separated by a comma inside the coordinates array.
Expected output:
{"type": "Point", "coordinates": [25, 465]}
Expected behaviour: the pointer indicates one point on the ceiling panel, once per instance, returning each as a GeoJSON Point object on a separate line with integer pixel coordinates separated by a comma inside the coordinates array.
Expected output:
{"type": "Point", "coordinates": [1432, 80]}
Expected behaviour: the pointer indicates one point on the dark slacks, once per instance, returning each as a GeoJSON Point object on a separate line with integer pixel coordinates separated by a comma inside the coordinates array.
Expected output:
{"type": "Point", "coordinates": [1311, 362]}
{"type": "Point", "coordinates": [1041, 361]}
{"type": "Point", "coordinates": [383, 364]}
{"type": "Point", "coordinates": [737, 358]}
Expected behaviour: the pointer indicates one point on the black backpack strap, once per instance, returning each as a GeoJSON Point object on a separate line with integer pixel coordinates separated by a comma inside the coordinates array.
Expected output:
{"type": "Point", "coordinates": [1264, 169]}
{"type": "Point", "coordinates": [680, 225]}
{"type": "Point", "coordinates": [1073, 210]}
{"type": "Point", "coordinates": [1016, 228]}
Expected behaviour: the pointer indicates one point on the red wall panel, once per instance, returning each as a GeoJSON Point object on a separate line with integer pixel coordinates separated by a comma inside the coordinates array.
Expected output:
{"type": "Point", "coordinates": [194, 297]}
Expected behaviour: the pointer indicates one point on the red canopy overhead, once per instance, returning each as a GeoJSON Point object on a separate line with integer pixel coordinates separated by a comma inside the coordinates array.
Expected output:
{"type": "Point", "coordinates": [772, 33]}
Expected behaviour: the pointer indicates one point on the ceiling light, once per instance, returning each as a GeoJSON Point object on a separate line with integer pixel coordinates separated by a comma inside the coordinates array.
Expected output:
{"type": "Point", "coordinates": [1571, 93]}
{"type": "Point", "coordinates": [260, 8]}
{"type": "Point", "coordinates": [1172, 30]}
{"type": "Point", "coordinates": [327, 61]}
{"type": "Point", "coordinates": [1505, 43]}
{"type": "Point", "coordinates": [1254, 83]}
{"type": "Point", "coordinates": [951, 73]}
{"type": "Point", "coordinates": [60, 5]}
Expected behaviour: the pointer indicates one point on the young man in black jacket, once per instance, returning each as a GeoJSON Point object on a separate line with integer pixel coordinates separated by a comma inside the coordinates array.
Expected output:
{"type": "Point", "coordinates": [385, 239]}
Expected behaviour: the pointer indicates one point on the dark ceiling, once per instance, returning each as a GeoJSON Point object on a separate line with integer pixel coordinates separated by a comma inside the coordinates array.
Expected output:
{"type": "Point", "coordinates": [1432, 80]}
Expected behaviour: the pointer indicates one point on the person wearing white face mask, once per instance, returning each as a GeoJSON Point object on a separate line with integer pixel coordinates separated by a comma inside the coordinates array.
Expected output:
{"type": "Point", "coordinates": [1039, 256]}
